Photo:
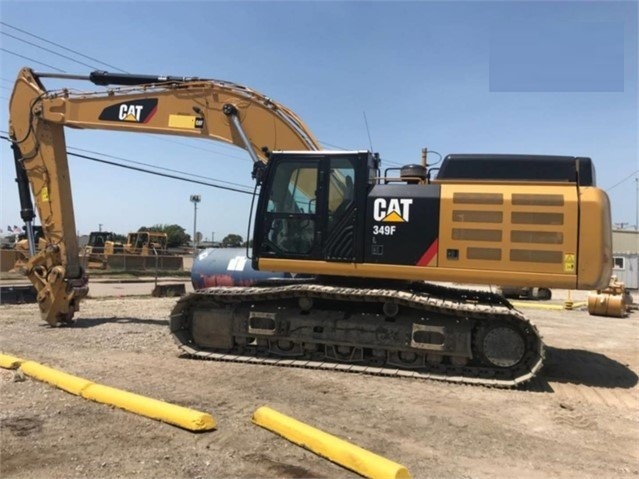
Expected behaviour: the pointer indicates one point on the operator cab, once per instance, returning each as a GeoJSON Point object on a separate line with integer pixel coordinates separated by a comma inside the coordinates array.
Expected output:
{"type": "Point", "coordinates": [311, 205]}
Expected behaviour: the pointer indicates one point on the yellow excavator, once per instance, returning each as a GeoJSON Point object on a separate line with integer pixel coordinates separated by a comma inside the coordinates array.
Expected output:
{"type": "Point", "coordinates": [364, 245]}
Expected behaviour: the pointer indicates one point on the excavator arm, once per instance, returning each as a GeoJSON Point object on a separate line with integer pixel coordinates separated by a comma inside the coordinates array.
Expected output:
{"type": "Point", "coordinates": [188, 107]}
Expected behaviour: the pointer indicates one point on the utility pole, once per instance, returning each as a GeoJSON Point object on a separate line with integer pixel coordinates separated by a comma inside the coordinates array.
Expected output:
{"type": "Point", "coordinates": [195, 199]}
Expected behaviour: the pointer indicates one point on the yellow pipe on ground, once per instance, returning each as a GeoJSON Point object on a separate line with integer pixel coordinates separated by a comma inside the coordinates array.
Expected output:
{"type": "Point", "coordinates": [333, 448]}
{"type": "Point", "coordinates": [520, 304]}
{"type": "Point", "coordinates": [59, 379]}
{"type": "Point", "coordinates": [9, 362]}
{"type": "Point", "coordinates": [170, 413]}
{"type": "Point", "coordinates": [160, 410]}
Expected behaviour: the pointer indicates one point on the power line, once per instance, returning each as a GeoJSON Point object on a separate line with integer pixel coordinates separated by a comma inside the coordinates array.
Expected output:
{"type": "Point", "coordinates": [95, 59]}
{"type": "Point", "coordinates": [90, 66]}
{"type": "Point", "coordinates": [60, 46]}
{"type": "Point", "coordinates": [333, 146]}
{"type": "Point", "coordinates": [156, 173]}
{"type": "Point", "coordinates": [48, 50]}
{"type": "Point", "coordinates": [147, 164]}
{"type": "Point", "coordinates": [32, 60]}
{"type": "Point", "coordinates": [165, 175]}
{"type": "Point", "coordinates": [158, 167]}
{"type": "Point", "coordinates": [155, 137]}
{"type": "Point", "coordinates": [623, 180]}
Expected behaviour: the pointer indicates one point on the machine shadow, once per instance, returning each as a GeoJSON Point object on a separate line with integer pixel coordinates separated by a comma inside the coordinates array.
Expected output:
{"type": "Point", "coordinates": [586, 368]}
{"type": "Point", "coordinates": [83, 323]}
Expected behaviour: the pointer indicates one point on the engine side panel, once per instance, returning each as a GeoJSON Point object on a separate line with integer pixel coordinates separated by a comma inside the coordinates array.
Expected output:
{"type": "Point", "coordinates": [498, 227]}
{"type": "Point", "coordinates": [402, 223]}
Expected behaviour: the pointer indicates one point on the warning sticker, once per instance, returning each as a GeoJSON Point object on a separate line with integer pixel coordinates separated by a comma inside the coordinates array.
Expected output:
{"type": "Point", "coordinates": [569, 262]}
{"type": "Point", "coordinates": [185, 121]}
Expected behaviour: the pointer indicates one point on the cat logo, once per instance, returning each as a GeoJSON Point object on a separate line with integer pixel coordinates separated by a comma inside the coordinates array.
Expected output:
{"type": "Point", "coordinates": [392, 210]}
{"type": "Point", "coordinates": [130, 112]}
{"type": "Point", "coordinates": [139, 111]}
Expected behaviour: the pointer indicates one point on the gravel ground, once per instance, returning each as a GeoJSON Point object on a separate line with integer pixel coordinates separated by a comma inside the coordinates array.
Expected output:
{"type": "Point", "coordinates": [578, 419]}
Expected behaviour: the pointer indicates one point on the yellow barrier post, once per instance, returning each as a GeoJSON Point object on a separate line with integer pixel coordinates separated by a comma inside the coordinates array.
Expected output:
{"type": "Point", "coordinates": [59, 379]}
{"type": "Point", "coordinates": [9, 362]}
{"type": "Point", "coordinates": [160, 410]}
{"type": "Point", "coordinates": [568, 304]}
{"type": "Point", "coordinates": [333, 448]}
{"type": "Point", "coordinates": [170, 413]}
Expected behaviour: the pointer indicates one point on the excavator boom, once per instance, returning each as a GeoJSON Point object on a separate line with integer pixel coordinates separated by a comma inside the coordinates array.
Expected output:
{"type": "Point", "coordinates": [212, 109]}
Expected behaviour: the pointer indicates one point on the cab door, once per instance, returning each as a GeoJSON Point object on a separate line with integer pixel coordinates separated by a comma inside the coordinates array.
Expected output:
{"type": "Point", "coordinates": [288, 213]}
{"type": "Point", "coordinates": [311, 207]}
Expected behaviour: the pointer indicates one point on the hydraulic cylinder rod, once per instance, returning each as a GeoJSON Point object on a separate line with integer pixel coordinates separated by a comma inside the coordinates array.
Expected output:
{"type": "Point", "coordinates": [26, 205]}
{"type": "Point", "coordinates": [231, 112]}
{"type": "Point", "coordinates": [104, 78]}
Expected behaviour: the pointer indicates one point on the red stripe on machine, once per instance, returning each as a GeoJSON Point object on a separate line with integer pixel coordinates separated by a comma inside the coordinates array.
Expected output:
{"type": "Point", "coordinates": [428, 255]}
{"type": "Point", "coordinates": [150, 115]}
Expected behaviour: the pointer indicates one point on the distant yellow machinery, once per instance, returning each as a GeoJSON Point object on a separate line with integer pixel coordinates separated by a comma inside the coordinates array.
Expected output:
{"type": "Point", "coordinates": [99, 247]}
{"type": "Point", "coordinates": [613, 300]}
{"type": "Point", "coordinates": [146, 243]}
{"type": "Point", "coordinates": [103, 251]}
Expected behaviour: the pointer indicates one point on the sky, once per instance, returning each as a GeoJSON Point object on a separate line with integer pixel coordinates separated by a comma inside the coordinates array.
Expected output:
{"type": "Point", "coordinates": [456, 77]}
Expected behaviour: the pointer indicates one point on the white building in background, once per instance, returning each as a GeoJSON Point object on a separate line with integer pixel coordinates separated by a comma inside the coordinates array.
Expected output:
{"type": "Point", "coordinates": [625, 253]}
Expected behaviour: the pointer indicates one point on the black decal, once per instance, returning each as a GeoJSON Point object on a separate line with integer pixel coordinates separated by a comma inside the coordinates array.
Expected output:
{"type": "Point", "coordinates": [138, 111]}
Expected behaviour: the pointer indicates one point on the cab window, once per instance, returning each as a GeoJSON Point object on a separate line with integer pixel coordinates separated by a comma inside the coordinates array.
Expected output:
{"type": "Point", "coordinates": [292, 207]}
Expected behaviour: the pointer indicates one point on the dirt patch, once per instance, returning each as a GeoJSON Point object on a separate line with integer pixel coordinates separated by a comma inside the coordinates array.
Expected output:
{"type": "Point", "coordinates": [22, 425]}
{"type": "Point", "coordinates": [578, 419]}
